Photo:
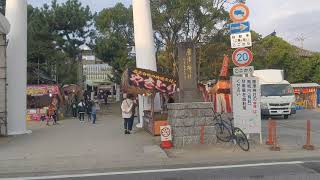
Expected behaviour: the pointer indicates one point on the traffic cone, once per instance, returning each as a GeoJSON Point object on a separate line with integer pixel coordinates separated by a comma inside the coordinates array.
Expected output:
{"type": "Point", "coordinates": [166, 145]}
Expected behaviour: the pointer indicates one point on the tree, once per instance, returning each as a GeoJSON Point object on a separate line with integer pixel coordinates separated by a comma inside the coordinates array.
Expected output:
{"type": "Point", "coordinates": [186, 20]}
{"type": "Point", "coordinates": [72, 23]}
{"type": "Point", "coordinates": [274, 52]}
{"type": "Point", "coordinates": [41, 49]}
{"type": "Point", "coordinates": [315, 73]}
{"type": "Point", "coordinates": [55, 33]}
{"type": "Point", "coordinates": [116, 20]}
{"type": "Point", "coordinates": [2, 6]}
{"type": "Point", "coordinates": [115, 40]}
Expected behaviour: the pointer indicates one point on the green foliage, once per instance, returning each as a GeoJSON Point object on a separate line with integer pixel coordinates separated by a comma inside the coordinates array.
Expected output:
{"type": "Point", "coordinates": [186, 20]}
{"type": "Point", "coordinates": [2, 6]}
{"type": "Point", "coordinates": [274, 52]}
{"type": "Point", "coordinates": [72, 23]}
{"type": "Point", "coordinates": [116, 20]}
{"type": "Point", "coordinates": [115, 42]}
{"type": "Point", "coordinates": [55, 33]}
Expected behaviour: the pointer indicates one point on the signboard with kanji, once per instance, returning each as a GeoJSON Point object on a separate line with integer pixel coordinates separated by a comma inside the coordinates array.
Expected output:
{"type": "Point", "coordinates": [243, 70]}
{"type": "Point", "coordinates": [188, 72]}
{"type": "Point", "coordinates": [187, 65]}
{"type": "Point", "coordinates": [141, 81]}
{"type": "Point", "coordinates": [241, 40]}
{"type": "Point", "coordinates": [246, 104]}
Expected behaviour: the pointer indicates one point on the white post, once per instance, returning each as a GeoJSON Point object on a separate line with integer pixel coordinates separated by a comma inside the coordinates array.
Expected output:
{"type": "Point", "coordinates": [144, 44]}
{"type": "Point", "coordinates": [16, 12]}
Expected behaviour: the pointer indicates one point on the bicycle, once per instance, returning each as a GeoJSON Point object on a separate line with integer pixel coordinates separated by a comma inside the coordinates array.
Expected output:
{"type": "Point", "coordinates": [226, 132]}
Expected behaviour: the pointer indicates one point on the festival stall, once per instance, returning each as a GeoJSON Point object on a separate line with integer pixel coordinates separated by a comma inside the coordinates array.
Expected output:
{"type": "Point", "coordinates": [149, 83]}
{"type": "Point", "coordinates": [39, 98]}
{"type": "Point", "coordinates": [306, 95]}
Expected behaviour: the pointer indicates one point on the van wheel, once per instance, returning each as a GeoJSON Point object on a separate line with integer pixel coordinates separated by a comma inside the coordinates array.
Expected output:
{"type": "Point", "coordinates": [286, 116]}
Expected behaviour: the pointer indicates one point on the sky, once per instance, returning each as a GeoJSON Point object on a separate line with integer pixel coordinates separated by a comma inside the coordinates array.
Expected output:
{"type": "Point", "coordinates": [291, 19]}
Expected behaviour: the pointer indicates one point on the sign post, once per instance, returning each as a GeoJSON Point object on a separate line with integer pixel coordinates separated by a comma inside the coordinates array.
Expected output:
{"type": "Point", "coordinates": [245, 88]}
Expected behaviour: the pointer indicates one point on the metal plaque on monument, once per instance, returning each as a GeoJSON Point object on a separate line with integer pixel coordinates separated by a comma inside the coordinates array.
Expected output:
{"type": "Point", "coordinates": [187, 73]}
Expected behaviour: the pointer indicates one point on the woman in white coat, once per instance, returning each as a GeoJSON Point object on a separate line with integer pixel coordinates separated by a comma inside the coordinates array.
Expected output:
{"type": "Point", "coordinates": [127, 113]}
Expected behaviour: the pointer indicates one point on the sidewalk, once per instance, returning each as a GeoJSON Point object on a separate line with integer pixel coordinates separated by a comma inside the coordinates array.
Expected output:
{"type": "Point", "coordinates": [78, 146]}
{"type": "Point", "coordinates": [83, 147]}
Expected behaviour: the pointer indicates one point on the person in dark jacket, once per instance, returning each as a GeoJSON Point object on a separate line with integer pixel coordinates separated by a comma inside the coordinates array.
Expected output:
{"type": "Point", "coordinates": [81, 110]}
{"type": "Point", "coordinates": [89, 109]}
{"type": "Point", "coordinates": [74, 109]}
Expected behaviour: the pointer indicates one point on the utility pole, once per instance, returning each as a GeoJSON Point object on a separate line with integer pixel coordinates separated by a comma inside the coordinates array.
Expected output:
{"type": "Point", "coordinates": [301, 38]}
{"type": "Point", "coordinates": [38, 72]}
{"type": "Point", "coordinates": [80, 72]}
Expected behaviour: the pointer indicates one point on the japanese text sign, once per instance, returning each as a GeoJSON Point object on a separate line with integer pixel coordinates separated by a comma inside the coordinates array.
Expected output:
{"type": "Point", "coordinates": [246, 104]}
{"type": "Point", "coordinates": [152, 81]}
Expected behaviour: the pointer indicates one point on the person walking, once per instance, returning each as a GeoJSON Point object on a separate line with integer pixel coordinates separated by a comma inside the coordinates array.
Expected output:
{"type": "Point", "coordinates": [94, 112]}
{"type": "Point", "coordinates": [74, 109]}
{"type": "Point", "coordinates": [126, 108]}
{"type": "Point", "coordinates": [82, 110]}
{"type": "Point", "coordinates": [89, 109]}
{"type": "Point", "coordinates": [51, 114]}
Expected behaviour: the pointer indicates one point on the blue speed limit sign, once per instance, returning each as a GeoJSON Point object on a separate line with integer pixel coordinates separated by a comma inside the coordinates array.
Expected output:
{"type": "Point", "coordinates": [242, 57]}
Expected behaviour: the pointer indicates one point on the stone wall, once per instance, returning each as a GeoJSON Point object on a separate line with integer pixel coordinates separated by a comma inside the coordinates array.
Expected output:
{"type": "Point", "coordinates": [187, 119]}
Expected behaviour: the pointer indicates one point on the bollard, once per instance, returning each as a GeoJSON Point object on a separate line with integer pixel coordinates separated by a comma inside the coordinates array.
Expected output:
{"type": "Point", "coordinates": [202, 135]}
{"type": "Point", "coordinates": [270, 132]}
{"type": "Point", "coordinates": [308, 145]}
{"type": "Point", "coordinates": [275, 146]}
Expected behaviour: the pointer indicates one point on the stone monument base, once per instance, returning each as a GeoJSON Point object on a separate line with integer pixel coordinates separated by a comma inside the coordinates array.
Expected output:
{"type": "Point", "coordinates": [187, 121]}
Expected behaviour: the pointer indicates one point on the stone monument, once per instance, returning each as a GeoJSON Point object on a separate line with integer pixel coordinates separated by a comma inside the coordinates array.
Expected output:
{"type": "Point", "coordinates": [188, 73]}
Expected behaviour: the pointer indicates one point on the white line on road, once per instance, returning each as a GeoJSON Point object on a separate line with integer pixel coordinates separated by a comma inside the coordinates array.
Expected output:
{"type": "Point", "coordinates": [154, 171]}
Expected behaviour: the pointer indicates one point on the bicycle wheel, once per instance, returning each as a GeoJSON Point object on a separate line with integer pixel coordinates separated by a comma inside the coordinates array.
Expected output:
{"type": "Point", "coordinates": [241, 139]}
{"type": "Point", "coordinates": [223, 133]}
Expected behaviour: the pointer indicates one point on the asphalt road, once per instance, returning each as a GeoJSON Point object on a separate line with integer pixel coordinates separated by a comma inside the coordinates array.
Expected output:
{"type": "Point", "coordinates": [292, 131]}
{"type": "Point", "coordinates": [295, 170]}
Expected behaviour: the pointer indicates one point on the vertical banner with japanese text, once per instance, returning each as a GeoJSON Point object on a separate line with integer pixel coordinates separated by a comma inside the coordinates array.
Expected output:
{"type": "Point", "coordinates": [246, 104]}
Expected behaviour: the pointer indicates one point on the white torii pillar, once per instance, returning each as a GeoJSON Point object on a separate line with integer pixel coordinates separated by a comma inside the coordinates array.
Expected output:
{"type": "Point", "coordinates": [16, 13]}
{"type": "Point", "coordinates": [144, 47]}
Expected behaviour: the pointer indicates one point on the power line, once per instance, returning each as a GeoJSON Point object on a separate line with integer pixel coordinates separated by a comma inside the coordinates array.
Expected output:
{"type": "Point", "coordinates": [301, 38]}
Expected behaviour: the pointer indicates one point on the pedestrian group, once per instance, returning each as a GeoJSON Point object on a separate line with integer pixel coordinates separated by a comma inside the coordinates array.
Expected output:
{"type": "Point", "coordinates": [87, 107]}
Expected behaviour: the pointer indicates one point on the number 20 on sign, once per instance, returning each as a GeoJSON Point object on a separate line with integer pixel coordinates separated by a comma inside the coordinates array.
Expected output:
{"type": "Point", "coordinates": [242, 57]}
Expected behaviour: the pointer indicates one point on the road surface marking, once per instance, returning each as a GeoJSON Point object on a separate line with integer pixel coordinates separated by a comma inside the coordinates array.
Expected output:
{"type": "Point", "coordinates": [154, 171]}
